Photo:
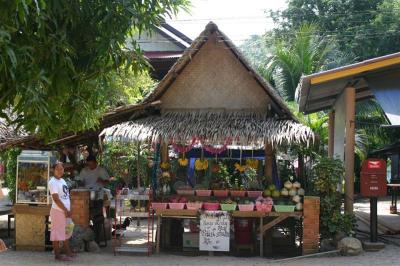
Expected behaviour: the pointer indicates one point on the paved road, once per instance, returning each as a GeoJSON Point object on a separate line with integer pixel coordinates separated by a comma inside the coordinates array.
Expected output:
{"type": "Point", "coordinates": [388, 256]}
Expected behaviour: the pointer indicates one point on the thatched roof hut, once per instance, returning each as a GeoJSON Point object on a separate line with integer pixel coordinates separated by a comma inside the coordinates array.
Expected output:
{"type": "Point", "coordinates": [212, 92]}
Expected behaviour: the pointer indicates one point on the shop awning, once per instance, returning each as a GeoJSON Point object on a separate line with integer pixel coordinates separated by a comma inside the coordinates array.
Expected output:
{"type": "Point", "coordinates": [387, 92]}
{"type": "Point", "coordinates": [215, 127]}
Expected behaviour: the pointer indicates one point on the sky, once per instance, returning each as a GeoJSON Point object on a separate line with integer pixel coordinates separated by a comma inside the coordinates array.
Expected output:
{"type": "Point", "coordinates": [238, 19]}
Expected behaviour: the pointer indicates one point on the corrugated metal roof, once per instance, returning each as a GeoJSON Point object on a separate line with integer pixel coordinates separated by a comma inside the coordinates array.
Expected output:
{"type": "Point", "coordinates": [387, 93]}
{"type": "Point", "coordinates": [319, 91]}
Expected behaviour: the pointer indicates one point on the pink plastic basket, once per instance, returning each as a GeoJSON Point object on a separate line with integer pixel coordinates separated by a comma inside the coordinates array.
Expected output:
{"type": "Point", "coordinates": [194, 205]}
{"type": "Point", "coordinates": [185, 192]}
{"type": "Point", "coordinates": [159, 205]}
{"type": "Point", "coordinates": [254, 194]}
{"type": "Point", "coordinates": [176, 206]}
{"type": "Point", "coordinates": [211, 206]}
{"type": "Point", "coordinates": [264, 207]}
{"type": "Point", "coordinates": [203, 193]}
{"type": "Point", "coordinates": [246, 207]}
{"type": "Point", "coordinates": [220, 193]}
{"type": "Point", "coordinates": [238, 193]}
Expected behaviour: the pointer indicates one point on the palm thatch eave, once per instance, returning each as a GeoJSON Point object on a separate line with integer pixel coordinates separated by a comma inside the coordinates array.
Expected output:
{"type": "Point", "coordinates": [245, 127]}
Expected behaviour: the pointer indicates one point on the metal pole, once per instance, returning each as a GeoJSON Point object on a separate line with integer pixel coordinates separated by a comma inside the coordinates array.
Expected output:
{"type": "Point", "coordinates": [373, 203]}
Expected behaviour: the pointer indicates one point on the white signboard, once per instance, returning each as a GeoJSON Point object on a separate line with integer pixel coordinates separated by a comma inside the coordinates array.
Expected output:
{"type": "Point", "coordinates": [214, 231]}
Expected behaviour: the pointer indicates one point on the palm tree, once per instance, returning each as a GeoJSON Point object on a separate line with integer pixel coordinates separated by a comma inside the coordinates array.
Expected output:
{"type": "Point", "coordinates": [305, 53]}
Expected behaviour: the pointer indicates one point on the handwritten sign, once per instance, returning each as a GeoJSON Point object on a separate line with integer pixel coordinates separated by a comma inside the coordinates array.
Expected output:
{"type": "Point", "coordinates": [214, 231]}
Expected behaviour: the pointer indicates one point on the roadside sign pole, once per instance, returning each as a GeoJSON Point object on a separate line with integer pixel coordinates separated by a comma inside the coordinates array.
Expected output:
{"type": "Point", "coordinates": [373, 203]}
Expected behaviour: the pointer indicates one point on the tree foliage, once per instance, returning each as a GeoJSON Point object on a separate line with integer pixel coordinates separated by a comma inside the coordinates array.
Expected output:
{"type": "Point", "coordinates": [57, 57]}
{"type": "Point", "coordinates": [9, 157]}
{"type": "Point", "coordinates": [303, 53]}
{"type": "Point", "coordinates": [362, 28]}
{"type": "Point", "coordinates": [127, 87]}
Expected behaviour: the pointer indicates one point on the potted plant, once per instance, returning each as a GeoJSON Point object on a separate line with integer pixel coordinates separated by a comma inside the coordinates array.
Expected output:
{"type": "Point", "coordinates": [220, 182]}
{"type": "Point", "coordinates": [253, 185]}
{"type": "Point", "coordinates": [238, 190]}
{"type": "Point", "coordinates": [228, 205]}
{"type": "Point", "coordinates": [202, 191]}
{"type": "Point", "coordinates": [246, 205]}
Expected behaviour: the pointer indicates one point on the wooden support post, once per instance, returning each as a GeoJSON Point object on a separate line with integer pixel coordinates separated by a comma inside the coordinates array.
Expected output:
{"type": "Point", "coordinates": [331, 133]}
{"type": "Point", "coordinates": [137, 167]}
{"type": "Point", "coordinates": [301, 167]}
{"type": "Point", "coordinates": [350, 101]}
{"type": "Point", "coordinates": [261, 237]}
{"type": "Point", "coordinates": [164, 151]}
{"type": "Point", "coordinates": [158, 233]}
{"type": "Point", "coordinates": [268, 161]}
{"type": "Point", "coordinates": [274, 222]}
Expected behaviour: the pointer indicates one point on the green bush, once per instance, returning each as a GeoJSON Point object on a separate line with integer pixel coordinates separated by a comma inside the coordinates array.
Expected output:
{"type": "Point", "coordinates": [327, 173]}
{"type": "Point", "coordinates": [9, 157]}
{"type": "Point", "coordinates": [125, 161]}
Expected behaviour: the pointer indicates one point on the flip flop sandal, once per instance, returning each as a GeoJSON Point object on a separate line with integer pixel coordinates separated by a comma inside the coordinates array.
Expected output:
{"type": "Point", "coordinates": [64, 258]}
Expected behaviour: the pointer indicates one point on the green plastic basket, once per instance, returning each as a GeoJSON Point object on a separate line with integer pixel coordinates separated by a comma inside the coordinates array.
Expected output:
{"type": "Point", "coordinates": [284, 208]}
{"type": "Point", "coordinates": [228, 207]}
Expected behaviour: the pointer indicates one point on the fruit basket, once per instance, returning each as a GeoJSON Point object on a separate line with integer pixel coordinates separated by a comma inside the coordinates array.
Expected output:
{"type": "Point", "coordinates": [159, 205]}
{"type": "Point", "coordinates": [203, 192]}
{"type": "Point", "coordinates": [194, 205]}
{"type": "Point", "coordinates": [254, 194]}
{"type": "Point", "coordinates": [246, 207]}
{"type": "Point", "coordinates": [264, 207]}
{"type": "Point", "coordinates": [228, 206]}
{"type": "Point", "coordinates": [284, 208]}
{"type": "Point", "coordinates": [220, 193]}
{"type": "Point", "coordinates": [211, 206]}
{"type": "Point", "coordinates": [176, 206]}
{"type": "Point", "coordinates": [238, 193]}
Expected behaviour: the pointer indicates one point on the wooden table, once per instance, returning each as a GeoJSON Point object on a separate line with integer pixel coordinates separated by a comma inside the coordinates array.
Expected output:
{"type": "Point", "coordinates": [193, 214]}
{"type": "Point", "coordinates": [393, 207]}
{"type": "Point", "coordinates": [170, 213]}
{"type": "Point", "coordinates": [279, 217]}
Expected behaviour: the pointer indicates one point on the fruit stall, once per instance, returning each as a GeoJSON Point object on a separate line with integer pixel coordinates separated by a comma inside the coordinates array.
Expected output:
{"type": "Point", "coordinates": [216, 130]}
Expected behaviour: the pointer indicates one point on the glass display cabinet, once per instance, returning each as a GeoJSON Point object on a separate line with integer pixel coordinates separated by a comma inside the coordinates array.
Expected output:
{"type": "Point", "coordinates": [33, 172]}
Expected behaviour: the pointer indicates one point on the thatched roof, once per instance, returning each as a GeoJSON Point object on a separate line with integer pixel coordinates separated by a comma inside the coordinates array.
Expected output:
{"type": "Point", "coordinates": [10, 132]}
{"type": "Point", "coordinates": [11, 138]}
{"type": "Point", "coordinates": [207, 97]}
{"type": "Point", "coordinates": [220, 118]}
{"type": "Point", "coordinates": [211, 30]}
{"type": "Point", "coordinates": [245, 127]}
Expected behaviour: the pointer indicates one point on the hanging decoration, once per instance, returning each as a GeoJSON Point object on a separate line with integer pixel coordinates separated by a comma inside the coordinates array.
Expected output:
{"type": "Point", "coordinates": [164, 165]}
{"type": "Point", "coordinates": [183, 162]}
{"type": "Point", "coordinates": [201, 164]}
{"type": "Point", "coordinates": [182, 148]}
{"type": "Point", "coordinates": [252, 163]}
{"type": "Point", "coordinates": [213, 150]}
{"type": "Point", "coordinates": [238, 166]}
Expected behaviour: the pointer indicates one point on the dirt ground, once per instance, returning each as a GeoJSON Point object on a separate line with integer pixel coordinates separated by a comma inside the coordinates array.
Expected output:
{"type": "Point", "coordinates": [388, 256]}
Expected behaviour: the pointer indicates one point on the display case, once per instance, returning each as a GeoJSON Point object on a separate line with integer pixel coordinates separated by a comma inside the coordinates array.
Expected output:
{"type": "Point", "coordinates": [33, 171]}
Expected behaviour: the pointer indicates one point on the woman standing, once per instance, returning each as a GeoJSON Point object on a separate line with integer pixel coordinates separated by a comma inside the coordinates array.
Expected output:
{"type": "Point", "coordinates": [60, 211]}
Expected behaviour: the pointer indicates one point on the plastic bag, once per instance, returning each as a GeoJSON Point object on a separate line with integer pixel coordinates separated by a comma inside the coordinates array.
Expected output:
{"type": "Point", "coordinates": [69, 228]}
